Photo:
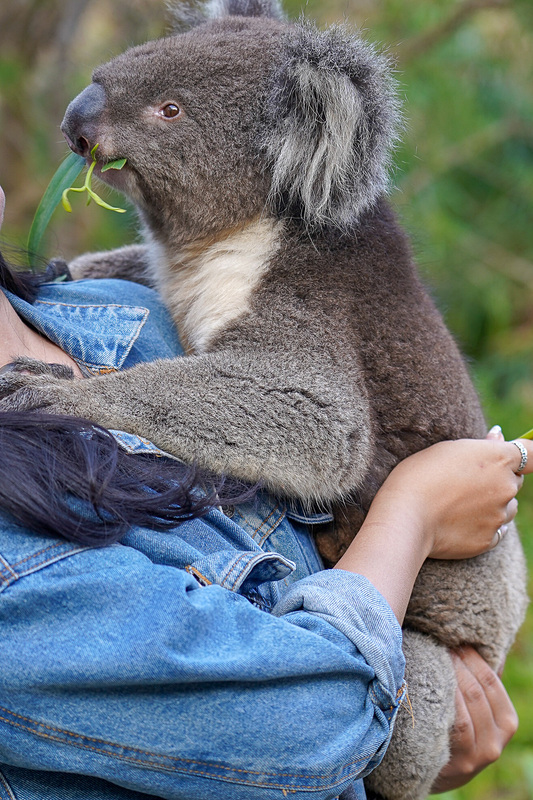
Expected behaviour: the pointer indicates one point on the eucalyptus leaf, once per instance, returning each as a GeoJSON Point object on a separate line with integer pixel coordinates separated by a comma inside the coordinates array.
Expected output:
{"type": "Point", "coordinates": [528, 435]}
{"type": "Point", "coordinates": [64, 177]}
{"type": "Point", "coordinates": [91, 194]}
{"type": "Point", "coordinates": [117, 164]}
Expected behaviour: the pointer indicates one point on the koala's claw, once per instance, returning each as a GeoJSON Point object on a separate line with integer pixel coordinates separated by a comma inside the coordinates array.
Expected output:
{"type": "Point", "coordinates": [28, 385]}
{"type": "Point", "coordinates": [32, 366]}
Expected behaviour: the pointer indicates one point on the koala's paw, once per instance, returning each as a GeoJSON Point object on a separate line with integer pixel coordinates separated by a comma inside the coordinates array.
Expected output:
{"type": "Point", "coordinates": [30, 385]}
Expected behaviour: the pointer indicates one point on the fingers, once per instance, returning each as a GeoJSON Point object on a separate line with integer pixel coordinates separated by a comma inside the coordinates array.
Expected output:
{"type": "Point", "coordinates": [512, 508]}
{"type": "Point", "coordinates": [495, 433]}
{"type": "Point", "coordinates": [523, 454]}
{"type": "Point", "coordinates": [521, 457]}
{"type": "Point", "coordinates": [493, 717]}
{"type": "Point", "coordinates": [519, 453]}
{"type": "Point", "coordinates": [485, 720]}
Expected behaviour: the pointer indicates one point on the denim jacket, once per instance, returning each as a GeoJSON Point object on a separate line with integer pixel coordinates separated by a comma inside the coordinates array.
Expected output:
{"type": "Point", "coordinates": [212, 661]}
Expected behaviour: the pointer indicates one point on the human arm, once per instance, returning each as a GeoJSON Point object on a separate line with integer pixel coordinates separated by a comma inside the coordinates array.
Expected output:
{"type": "Point", "coordinates": [137, 674]}
{"type": "Point", "coordinates": [449, 602]}
{"type": "Point", "coordinates": [131, 671]}
{"type": "Point", "coordinates": [485, 718]}
{"type": "Point", "coordinates": [446, 502]}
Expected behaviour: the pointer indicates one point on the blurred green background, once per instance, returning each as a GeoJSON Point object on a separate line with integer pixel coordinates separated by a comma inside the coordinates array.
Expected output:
{"type": "Point", "coordinates": [463, 187]}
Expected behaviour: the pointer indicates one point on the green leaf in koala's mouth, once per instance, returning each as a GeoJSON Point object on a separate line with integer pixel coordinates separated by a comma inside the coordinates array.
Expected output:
{"type": "Point", "coordinates": [118, 164]}
{"type": "Point", "coordinates": [58, 189]}
{"type": "Point", "coordinates": [91, 194]}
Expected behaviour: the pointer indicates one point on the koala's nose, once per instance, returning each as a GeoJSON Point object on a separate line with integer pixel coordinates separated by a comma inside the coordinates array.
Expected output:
{"type": "Point", "coordinates": [82, 117]}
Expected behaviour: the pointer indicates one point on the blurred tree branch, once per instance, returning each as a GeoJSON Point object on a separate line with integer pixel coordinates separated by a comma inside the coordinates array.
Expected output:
{"type": "Point", "coordinates": [462, 152]}
{"type": "Point", "coordinates": [499, 259]}
{"type": "Point", "coordinates": [426, 41]}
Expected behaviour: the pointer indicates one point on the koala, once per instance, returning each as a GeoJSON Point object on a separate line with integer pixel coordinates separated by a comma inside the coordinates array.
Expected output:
{"type": "Point", "coordinates": [258, 155]}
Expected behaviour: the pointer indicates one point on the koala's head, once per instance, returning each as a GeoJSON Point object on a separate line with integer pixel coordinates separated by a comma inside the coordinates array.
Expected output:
{"type": "Point", "coordinates": [243, 114]}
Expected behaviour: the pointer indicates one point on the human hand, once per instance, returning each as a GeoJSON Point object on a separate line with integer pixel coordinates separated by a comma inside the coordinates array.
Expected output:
{"type": "Point", "coordinates": [485, 721]}
{"type": "Point", "coordinates": [459, 493]}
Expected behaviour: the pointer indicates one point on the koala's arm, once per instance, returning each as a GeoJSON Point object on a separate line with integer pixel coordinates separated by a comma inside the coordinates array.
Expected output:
{"type": "Point", "coordinates": [275, 421]}
{"type": "Point", "coordinates": [129, 263]}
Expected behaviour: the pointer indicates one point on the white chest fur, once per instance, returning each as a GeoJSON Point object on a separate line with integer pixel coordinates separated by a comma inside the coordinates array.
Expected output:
{"type": "Point", "coordinates": [208, 287]}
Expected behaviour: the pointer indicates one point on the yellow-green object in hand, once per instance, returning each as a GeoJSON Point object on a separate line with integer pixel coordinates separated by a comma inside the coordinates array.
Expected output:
{"type": "Point", "coordinates": [528, 435]}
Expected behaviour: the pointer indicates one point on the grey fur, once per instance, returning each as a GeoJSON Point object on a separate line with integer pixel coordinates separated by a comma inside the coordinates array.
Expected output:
{"type": "Point", "coordinates": [128, 263]}
{"type": "Point", "coordinates": [427, 716]}
{"type": "Point", "coordinates": [336, 120]}
{"type": "Point", "coordinates": [188, 14]}
{"type": "Point", "coordinates": [336, 364]}
{"type": "Point", "coordinates": [244, 8]}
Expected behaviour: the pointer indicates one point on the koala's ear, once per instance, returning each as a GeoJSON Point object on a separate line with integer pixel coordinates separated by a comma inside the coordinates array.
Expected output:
{"type": "Point", "coordinates": [187, 14]}
{"type": "Point", "coordinates": [333, 120]}
{"type": "Point", "coordinates": [245, 8]}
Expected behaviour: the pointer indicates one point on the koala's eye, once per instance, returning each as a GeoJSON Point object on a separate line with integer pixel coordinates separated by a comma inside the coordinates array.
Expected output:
{"type": "Point", "coordinates": [170, 110]}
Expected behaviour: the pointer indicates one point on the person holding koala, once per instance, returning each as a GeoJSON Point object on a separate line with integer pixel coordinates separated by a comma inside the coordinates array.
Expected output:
{"type": "Point", "coordinates": [256, 152]}
{"type": "Point", "coordinates": [214, 657]}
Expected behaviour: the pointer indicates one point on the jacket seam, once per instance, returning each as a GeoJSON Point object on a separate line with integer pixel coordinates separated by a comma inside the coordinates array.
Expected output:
{"type": "Point", "coordinates": [273, 526]}
{"type": "Point", "coordinates": [234, 566]}
{"type": "Point", "coordinates": [39, 552]}
{"type": "Point", "coordinates": [8, 568]}
{"type": "Point", "coordinates": [131, 341]}
{"type": "Point", "coordinates": [69, 737]}
{"type": "Point", "coordinates": [198, 575]}
{"type": "Point", "coordinates": [12, 577]}
{"type": "Point", "coordinates": [7, 787]}
{"type": "Point", "coordinates": [252, 529]}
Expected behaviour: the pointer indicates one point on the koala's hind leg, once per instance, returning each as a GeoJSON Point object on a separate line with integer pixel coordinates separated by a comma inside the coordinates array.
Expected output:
{"type": "Point", "coordinates": [479, 601]}
{"type": "Point", "coordinates": [419, 747]}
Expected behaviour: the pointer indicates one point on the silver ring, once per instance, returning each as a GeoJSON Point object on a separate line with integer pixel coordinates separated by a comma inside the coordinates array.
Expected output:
{"type": "Point", "coordinates": [523, 454]}
{"type": "Point", "coordinates": [498, 536]}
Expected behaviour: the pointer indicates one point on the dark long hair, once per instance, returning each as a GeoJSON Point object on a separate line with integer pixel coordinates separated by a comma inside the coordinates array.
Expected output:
{"type": "Point", "coordinates": [66, 476]}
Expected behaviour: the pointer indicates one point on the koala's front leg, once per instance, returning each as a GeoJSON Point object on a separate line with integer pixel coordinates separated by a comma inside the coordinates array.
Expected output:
{"type": "Point", "coordinates": [295, 431]}
{"type": "Point", "coordinates": [420, 743]}
{"type": "Point", "coordinates": [129, 263]}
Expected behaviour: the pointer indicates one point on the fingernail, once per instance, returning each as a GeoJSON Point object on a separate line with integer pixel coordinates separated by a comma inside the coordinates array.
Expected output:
{"type": "Point", "coordinates": [495, 433]}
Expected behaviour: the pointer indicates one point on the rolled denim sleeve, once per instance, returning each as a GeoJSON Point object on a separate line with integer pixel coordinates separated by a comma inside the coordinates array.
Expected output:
{"type": "Point", "coordinates": [130, 671]}
{"type": "Point", "coordinates": [355, 609]}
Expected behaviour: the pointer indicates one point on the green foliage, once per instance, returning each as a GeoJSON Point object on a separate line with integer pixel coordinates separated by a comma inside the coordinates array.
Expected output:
{"type": "Point", "coordinates": [464, 190]}
{"type": "Point", "coordinates": [87, 187]}
{"type": "Point", "coordinates": [65, 175]}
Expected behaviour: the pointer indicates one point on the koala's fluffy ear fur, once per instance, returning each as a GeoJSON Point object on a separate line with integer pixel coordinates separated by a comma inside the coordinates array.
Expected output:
{"type": "Point", "coordinates": [334, 118]}
{"type": "Point", "coordinates": [187, 14]}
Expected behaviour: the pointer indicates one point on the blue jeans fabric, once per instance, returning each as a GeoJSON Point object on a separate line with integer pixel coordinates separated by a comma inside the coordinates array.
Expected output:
{"type": "Point", "coordinates": [212, 661]}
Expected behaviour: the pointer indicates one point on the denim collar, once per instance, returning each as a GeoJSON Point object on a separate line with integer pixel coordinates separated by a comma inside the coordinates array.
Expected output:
{"type": "Point", "coordinates": [98, 336]}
